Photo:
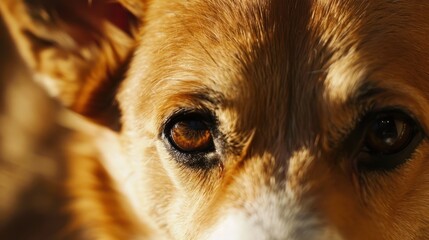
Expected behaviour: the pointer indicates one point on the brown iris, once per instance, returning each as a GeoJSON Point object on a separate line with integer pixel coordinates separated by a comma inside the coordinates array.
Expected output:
{"type": "Point", "coordinates": [389, 133]}
{"type": "Point", "coordinates": [191, 136]}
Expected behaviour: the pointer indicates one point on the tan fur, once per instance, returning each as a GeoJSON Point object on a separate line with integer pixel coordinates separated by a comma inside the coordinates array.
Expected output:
{"type": "Point", "coordinates": [288, 81]}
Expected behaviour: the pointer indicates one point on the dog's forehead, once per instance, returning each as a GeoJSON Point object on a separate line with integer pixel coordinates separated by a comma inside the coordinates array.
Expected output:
{"type": "Point", "coordinates": [269, 63]}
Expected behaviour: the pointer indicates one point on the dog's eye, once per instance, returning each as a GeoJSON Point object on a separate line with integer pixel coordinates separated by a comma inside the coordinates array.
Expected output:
{"type": "Point", "coordinates": [191, 136]}
{"type": "Point", "coordinates": [388, 134]}
{"type": "Point", "coordinates": [390, 138]}
{"type": "Point", "coordinates": [190, 133]}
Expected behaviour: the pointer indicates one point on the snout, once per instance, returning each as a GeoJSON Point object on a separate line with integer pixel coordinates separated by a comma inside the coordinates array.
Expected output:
{"type": "Point", "coordinates": [272, 218]}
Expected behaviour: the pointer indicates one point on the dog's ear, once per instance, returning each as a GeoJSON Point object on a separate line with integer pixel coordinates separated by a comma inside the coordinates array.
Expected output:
{"type": "Point", "coordinates": [78, 49]}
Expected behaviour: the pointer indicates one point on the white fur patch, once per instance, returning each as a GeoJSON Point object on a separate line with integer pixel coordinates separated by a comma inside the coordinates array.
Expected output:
{"type": "Point", "coordinates": [236, 226]}
{"type": "Point", "coordinates": [273, 217]}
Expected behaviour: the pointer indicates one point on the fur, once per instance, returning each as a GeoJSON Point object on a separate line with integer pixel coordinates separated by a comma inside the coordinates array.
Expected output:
{"type": "Point", "coordinates": [288, 81]}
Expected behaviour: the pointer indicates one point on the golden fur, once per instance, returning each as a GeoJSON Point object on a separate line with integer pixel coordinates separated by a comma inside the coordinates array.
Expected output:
{"type": "Point", "coordinates": [288, 81]}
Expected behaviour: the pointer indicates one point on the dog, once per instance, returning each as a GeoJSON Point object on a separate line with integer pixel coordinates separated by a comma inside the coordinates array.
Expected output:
{"type": "Point", "coordinates": [216, 119]}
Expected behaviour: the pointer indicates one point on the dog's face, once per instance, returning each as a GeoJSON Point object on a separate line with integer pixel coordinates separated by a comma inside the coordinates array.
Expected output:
{"type": "Point", "coordinates": [265, 119]}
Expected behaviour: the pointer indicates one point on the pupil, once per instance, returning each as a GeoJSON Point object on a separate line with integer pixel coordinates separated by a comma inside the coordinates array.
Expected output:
{"type": "Point", "coordinates": [196, 125]}
{"type": "Point", "coordinates": [386, 130]}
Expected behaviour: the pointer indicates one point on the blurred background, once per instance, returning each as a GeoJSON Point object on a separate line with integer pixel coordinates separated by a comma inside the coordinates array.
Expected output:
{"type": "Point", "coordinates": [32, 165]}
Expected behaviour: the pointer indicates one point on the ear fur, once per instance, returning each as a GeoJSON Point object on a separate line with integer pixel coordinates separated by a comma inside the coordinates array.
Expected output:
{"type": "Point", "coordinates": [77, 49]}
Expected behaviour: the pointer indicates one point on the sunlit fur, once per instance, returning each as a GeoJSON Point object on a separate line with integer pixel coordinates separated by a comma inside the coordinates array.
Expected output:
{"type": "Point", "coordinates": [287, 81]}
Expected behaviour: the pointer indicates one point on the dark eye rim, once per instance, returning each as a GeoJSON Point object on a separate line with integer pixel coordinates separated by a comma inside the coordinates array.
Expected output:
{"type": "Point", "coordinates": [192, 159]}
{"type": "Point", "coordinates": [373, 161]}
